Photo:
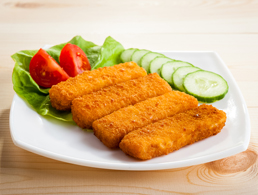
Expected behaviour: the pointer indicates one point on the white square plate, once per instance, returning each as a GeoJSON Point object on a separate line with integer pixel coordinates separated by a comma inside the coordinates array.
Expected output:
{"type": "Point", "coordinates": [67, 142]}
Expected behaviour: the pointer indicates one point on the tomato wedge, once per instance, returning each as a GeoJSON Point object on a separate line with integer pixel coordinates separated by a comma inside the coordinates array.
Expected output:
{"type": "Point", "coordinates": [73, 60]}
{"type": "Point", "coordinates": [45, 71]}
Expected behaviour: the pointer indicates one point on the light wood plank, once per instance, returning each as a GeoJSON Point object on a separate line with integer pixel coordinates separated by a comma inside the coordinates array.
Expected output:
{"type": "Point", "coordinates": [123, 17]}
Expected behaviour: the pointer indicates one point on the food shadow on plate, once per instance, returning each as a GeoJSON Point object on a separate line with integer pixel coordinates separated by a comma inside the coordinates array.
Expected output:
{"type": "Point", "coordinates": [86, 142]}
{"type": "Point", "coordinates": [115, 154]}
{"type": "Point", "coordinates": [83, 141]}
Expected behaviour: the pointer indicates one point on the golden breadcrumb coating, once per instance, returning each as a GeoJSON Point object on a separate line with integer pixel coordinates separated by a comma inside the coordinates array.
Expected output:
{"type": "Point", "coordinates": [112, 128]}
{"type": "Point", "coordinates": [173, 133]}
{"type": "Point", "coordinates": [91, 107]}
{"type": "Point", "coordinates": [62, 94]}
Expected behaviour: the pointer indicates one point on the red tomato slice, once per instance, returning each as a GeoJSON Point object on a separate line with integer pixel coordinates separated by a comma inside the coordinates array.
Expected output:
{"type": "Point", "coordinates": [45, 71]}
{"type": "Point", "coordinates": [73, 60]}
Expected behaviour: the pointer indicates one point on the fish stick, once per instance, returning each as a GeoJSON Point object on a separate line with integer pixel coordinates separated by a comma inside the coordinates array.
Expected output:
{"type": "Point", "coordinates": [62, 94]}
{"type": "Point", "coordinates": [173, 133]}
{"type": "Point", "coordinates": [112, 128]}
{"type": "Point", "coordinates": [91, 107]}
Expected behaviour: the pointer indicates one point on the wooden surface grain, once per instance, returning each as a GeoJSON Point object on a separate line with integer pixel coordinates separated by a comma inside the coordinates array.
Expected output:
{"type": "Point", "coordinates": [227, 27]}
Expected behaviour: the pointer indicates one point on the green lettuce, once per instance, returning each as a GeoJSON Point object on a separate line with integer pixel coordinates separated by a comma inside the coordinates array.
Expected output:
{"type": "Point", "coordinates": [109, 53]}
{"type": "Point", "coordinates": [23, 84]}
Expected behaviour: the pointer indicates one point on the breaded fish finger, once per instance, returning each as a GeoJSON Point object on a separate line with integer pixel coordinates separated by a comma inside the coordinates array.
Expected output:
{"type": "Point", "coordinates": [94, 106]}
{"type": "Point", "coordinates": [112, 128]}
{"type": "Point", "coordinates": [62, 94]}
{"type": "Point", "coordinates": [173, 133]}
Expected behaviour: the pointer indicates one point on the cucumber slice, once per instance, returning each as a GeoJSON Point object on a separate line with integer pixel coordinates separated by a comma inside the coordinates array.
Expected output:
{"type": "Point", "coordinates": [205, 86]}
{"type": "Point", "coordinates": [137, 55]}
{"type": "Point", "coordinates": [157, 62]}
{"type": "Point", "coordinates": [168, 68]}
{"type": "Point", "coordinates": [127, 54]}
{"type": "Point", "coordinates": [179, 75]}
{"type": "Point", "coordinates": [147, 58]}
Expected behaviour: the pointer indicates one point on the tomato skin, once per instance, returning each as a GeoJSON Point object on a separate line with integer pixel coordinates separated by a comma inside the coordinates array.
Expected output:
{"type": "Point", "coordinates": [73, 60]}
{"type": "Point", "coordinates": [45, 71]}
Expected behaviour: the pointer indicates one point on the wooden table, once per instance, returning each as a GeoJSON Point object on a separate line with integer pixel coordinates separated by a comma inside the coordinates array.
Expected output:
{"type": "Point", "coordinates": [227, 27]}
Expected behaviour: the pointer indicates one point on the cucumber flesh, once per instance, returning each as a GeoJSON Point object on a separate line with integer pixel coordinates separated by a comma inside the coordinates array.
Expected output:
{"type": "Point", "coordinates": [147, 58]}
{"type": "Point", "coordinates": [206, 86]}
{"type": "Point", "coordinates": [179, 75]}
{"type": "Point", "coordinates": [157, 62]}
{"type": "Point", "coordinates": [168, 69]}
{"type": "Point", "coordinates": [137, 55]}
{"type": "Point", "coordinates": [127, 54]}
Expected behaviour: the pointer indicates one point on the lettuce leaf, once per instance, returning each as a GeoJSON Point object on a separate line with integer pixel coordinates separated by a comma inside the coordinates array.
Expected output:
{"type": "Point", "coordinates": [37, 97]}
{"type": "Point", "coordinates": [109, 53]}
